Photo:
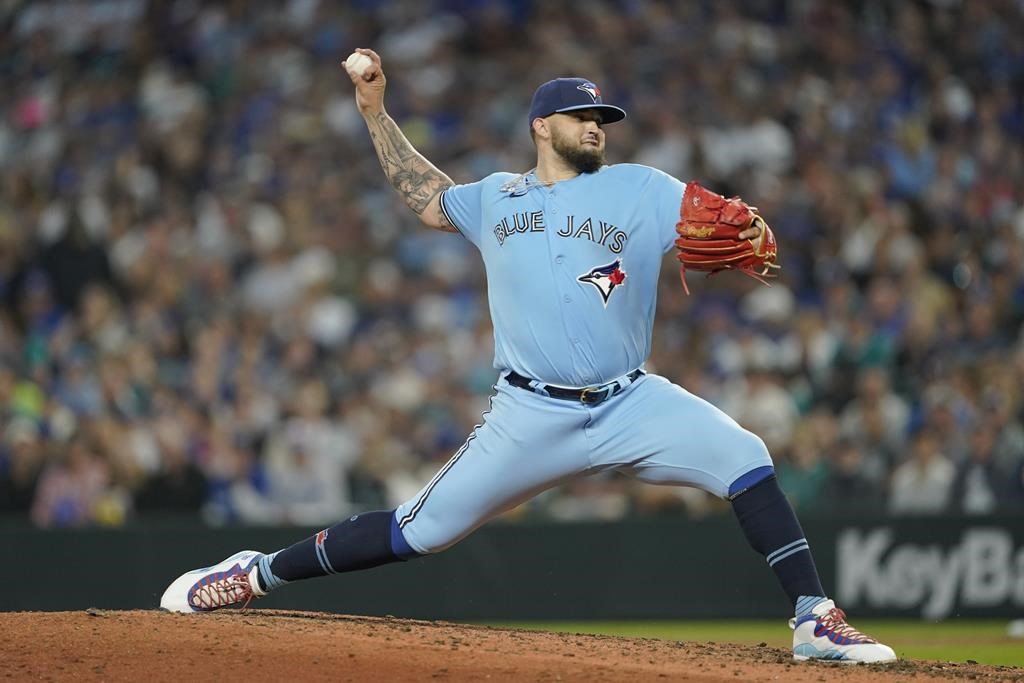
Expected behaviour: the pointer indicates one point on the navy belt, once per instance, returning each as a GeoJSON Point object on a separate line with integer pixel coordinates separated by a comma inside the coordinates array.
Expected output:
{"type": "Point", "coordinates": [589, 395]}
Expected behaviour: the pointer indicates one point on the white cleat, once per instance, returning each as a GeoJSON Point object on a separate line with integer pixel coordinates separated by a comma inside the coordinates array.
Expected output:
{"type": "Point", "coordinates": [229, 582]}
{"type": "Point", "coordinates": [824, 634]}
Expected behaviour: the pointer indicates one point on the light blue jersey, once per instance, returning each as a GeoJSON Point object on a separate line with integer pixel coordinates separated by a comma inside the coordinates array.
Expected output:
{"type": "Point", "coordinates": [572, 268]}
{"type": "Point", "coordinates": [572, 275]}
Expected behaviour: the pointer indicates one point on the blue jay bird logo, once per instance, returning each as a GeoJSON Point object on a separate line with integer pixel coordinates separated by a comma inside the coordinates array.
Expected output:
{"type": "Point", "coordinates": [605, 278]}
{"type": "Point", "coordinates": [591, 90]}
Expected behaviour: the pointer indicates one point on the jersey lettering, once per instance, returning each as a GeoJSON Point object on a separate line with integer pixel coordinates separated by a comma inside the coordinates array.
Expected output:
{"type": "Point", "coordinates": [521, 222]}
{"type": "Point", "coordinates": [618, 243]}
{"type": "Point", "coordinates": [586, 231]}
{"type": "Point", "coordinates": [606, 234]}
{"type": "Point", "coordinates": [537, 221]}
{"type": "Point", "coordinates": [586, 227]}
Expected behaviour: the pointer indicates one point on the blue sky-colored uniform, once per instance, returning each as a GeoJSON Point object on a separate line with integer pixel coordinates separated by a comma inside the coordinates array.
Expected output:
{"type": "Point", "coordinates": [572, 273]}
{"type": "Point", "coordinates": [548, 323]}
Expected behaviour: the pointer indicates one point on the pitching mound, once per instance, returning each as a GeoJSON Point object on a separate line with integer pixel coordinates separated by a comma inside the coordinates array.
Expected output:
{"type": "Point", "coordinates": [293, 646]}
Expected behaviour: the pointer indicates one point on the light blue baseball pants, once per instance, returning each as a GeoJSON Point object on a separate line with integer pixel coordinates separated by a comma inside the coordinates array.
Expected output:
{"type": "Point", "coordinates": [653, 430]}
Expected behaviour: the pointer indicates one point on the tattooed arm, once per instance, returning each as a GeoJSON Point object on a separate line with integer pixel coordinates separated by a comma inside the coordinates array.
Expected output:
{"type": "Point", "coordinates": [417, 180]}
{"type": "Point", "coordinates": [414, 178]}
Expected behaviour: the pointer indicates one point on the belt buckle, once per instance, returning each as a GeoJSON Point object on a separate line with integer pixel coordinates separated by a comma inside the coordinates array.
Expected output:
{"type": "Point", "coordinates": [605, 392]}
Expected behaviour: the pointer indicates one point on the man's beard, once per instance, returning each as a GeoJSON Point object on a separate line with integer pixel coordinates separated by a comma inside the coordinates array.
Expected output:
{"type": "Point", "coordinates": [582, 158]}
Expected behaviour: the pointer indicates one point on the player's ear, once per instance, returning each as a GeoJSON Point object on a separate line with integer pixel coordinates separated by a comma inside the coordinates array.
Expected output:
{"type": "Point", "coordinates": [541, 129]}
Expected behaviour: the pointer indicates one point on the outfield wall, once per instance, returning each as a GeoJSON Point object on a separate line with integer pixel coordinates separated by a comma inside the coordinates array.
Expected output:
{"type": "Point", "coordinates": [933, 568]}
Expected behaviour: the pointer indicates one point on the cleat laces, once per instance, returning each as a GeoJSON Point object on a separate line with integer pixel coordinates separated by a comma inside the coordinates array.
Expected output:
{"type": "Point", "coordinates": [835, 621]}
{"type": "Point", "coordinates": [223, 592]}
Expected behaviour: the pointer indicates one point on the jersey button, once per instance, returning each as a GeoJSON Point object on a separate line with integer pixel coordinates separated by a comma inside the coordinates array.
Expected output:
{"type": "Point", "coordinates": [568, 299]}
{"type": "Point", "coordinates": [559, 259]}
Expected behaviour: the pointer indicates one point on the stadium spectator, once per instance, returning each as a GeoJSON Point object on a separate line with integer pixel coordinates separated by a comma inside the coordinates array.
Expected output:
{"type": "Point", "coordinates": [72, 487]}
{"type": "Point", "coordinates": [978, 486]}
{"type": "Point", "coordinates": [192, 238]}
{"type": "Point", "coordinates": [21, 459]}
{"type": "Point", "coordinates": [855, 481]}
{"type": "Point", "coordinates": [922, 484]}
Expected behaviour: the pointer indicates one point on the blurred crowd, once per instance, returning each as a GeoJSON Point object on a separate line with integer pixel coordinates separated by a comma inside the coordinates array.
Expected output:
{"type": "Point", "coordinates": [213, 304]}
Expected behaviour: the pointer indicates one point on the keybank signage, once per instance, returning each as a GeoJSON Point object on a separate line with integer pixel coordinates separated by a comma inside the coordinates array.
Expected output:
{"type": "Point", "coordinates": [972, 568]}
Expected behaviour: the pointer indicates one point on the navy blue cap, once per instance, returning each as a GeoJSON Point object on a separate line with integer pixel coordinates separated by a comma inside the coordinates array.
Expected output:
{"type": "Point", "coordinates": [571, 94]}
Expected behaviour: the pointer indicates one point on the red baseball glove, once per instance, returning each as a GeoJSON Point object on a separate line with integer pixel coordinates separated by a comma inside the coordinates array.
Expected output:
{"type": "Point", "coordinates": [709, 228]}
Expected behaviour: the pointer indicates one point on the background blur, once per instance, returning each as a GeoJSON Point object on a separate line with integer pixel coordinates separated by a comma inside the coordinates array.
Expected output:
{"type": "Point", "coordinates": [219, 328]}
{"type": "Point", "coordinates": [214, 306]}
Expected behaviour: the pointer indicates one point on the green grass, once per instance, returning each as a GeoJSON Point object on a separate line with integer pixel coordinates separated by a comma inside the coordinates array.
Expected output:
{"type": "Point", "coordinates": [986, 642]}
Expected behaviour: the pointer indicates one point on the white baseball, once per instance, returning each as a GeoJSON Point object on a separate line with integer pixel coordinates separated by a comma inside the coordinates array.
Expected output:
{"type": "Point", "coordinates": [358, 63]}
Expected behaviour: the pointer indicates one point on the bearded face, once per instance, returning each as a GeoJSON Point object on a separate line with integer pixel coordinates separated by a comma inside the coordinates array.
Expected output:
{"type": "Point", "coordinates": [581, 146]}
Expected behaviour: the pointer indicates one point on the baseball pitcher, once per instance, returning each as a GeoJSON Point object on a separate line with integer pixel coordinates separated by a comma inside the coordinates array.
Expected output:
{"type": "Point", "coordinates": [572, 250]}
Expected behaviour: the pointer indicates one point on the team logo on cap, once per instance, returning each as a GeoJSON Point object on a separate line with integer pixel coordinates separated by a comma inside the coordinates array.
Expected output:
{"type": "Point", "coordinates": [591, 90]}
{"type": "Point", "coordinates": [605, 278]}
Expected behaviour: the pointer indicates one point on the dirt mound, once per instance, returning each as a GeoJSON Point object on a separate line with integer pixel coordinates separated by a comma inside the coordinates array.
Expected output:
{"type": "Point", "coordinates": [277, 645]}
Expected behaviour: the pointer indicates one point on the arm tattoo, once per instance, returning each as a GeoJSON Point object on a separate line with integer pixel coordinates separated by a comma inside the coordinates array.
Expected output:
{"type": "Point", "coordinates": [412, 176]}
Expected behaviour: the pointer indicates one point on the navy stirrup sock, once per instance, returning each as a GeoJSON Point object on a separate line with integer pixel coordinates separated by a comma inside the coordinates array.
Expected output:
{"type": "Point", "coordinates": [772, 529]}
{"type": "Point", "coordinates": [360, 542]}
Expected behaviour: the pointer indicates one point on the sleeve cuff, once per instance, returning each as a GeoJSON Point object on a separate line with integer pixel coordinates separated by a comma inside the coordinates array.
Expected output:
{"type": "Point", "coordinates": [447, 215]}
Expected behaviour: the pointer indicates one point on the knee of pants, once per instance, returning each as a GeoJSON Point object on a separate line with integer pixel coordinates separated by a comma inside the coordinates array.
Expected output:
{"type": "Point", "coordinates": [742, 449]}
{"type": "Point", "coordinates": [755, 446]}
{"type": "Point", "coordinates": [759, 465]}
{"type": "Point", "coordinates": [428, 536]}
{"type": "Point", "coordinates": [732, 449]}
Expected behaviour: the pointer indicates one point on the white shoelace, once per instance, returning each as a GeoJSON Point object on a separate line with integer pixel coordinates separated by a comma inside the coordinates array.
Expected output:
{"type": "Point", "coordinates": [224, 592]}
{"type": "Point", "coordinates": [835, 619]}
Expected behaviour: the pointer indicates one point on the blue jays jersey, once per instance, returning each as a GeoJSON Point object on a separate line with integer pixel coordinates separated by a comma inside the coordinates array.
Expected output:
{"type": "Point", "coordinates": [572, 268]}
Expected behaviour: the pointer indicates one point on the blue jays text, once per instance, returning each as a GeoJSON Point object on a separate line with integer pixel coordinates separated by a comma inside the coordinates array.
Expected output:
{"type": "Point", "coordinates": [604, 234]}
